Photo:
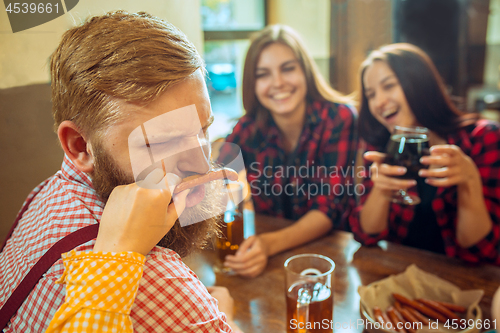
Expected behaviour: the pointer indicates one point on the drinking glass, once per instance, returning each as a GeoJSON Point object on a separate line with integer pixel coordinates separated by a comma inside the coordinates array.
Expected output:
{"type": "Point", "coordinates": [405, 148]}
{"type": "Point", "coordinates": [309, 293]}
{"type": "Point", "coordinates": [232, 227]}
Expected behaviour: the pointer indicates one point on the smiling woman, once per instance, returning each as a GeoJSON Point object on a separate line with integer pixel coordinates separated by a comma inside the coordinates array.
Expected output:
{"type": "Point", "coordinates": [460, 213]}
{"type": "Point", "coordinates": [386, 98]}
{"type": "Point", "coordinates": [280, 83]}
{"type": "Point", "coordinates": [294, 120]}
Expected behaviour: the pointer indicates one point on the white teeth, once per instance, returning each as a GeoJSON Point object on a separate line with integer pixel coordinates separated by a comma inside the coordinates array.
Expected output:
{"type": "Point", "coordinates": [388, 113]}
{"type": "Point", "coordinates": [282, 95]}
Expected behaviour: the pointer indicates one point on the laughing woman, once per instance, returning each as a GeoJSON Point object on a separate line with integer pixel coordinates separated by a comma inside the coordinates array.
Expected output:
{"type": "Point", "coordinates": [297, 139]}
{"type": "Point", "coordinates": [460, 210]}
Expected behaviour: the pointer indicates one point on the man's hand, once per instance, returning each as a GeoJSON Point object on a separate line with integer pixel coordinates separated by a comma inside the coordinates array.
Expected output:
{"type": "Point", "coordinates": [137, 218]}
{"type": "Point", "coordinates": [250, 259]}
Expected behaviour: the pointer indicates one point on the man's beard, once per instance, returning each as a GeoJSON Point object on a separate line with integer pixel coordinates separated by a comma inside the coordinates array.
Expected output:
{"type": "Point", "coordinates": [107, 175]}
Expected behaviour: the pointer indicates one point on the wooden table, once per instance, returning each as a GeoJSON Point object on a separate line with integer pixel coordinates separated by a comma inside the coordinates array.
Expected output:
{"type": "Point", "coordinates": [260, 302]}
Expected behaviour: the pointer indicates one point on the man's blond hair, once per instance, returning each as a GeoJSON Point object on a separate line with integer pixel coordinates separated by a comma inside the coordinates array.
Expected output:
{"type": "Point", "coordinates": [117, 56]}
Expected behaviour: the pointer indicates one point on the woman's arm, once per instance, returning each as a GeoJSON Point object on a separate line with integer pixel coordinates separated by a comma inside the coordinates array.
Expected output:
{"type": "Point", "coordinates": [474, 221]}
{"type": "Point", "coordinates": [474, 167]}
{"type": "Point", "coordinates": [309, 227]}
{"type": "Point", "coordinates": [374, 215]}
{"type": "Point", "coordinates": [456, 168]}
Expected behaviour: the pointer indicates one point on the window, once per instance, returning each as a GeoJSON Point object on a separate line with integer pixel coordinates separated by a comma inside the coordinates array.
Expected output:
{"type": "Point", "coordinates": [227, 25]}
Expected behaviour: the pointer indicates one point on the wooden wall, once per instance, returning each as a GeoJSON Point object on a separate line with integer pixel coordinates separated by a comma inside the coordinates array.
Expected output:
{"type": "Point", "coordinates": [357, 27]}
{"type": "Point", "coordinates": [30, 150]}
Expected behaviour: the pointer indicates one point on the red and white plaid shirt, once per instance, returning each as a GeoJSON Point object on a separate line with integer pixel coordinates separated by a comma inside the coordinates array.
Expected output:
{"type": "Point", "coordinates": [170, 296]}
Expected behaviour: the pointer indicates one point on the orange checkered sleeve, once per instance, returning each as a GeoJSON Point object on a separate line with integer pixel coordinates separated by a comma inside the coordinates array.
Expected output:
{"type": "Point", "coordinates": [100, 291]}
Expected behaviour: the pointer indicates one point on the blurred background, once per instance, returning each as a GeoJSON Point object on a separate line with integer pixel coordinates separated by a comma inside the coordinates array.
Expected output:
{"type": "Point", "coordinates": [461, 36]}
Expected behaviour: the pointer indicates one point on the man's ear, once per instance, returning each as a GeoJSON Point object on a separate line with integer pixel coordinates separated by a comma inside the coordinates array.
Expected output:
{"type": "Point", "coordinates": [75, 146]}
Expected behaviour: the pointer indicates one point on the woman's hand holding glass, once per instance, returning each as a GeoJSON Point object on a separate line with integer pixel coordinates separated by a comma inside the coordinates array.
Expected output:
{"type": "Point", "coordinates": [250, 259]}
{"type": "Point", "coordinates": [384, 175]}
{"type": "Point", "coordinates": [449, 166]}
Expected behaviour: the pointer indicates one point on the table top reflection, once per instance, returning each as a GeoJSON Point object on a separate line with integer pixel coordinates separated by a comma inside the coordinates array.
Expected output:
{"type": "Point", "coordinates": [260, 302]}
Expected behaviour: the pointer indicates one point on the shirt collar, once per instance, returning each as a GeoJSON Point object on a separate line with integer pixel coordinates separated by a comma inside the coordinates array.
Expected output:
{"type": "Point", "coordinates": [313, 117]}
{"type": "Point", "coordinates": [272, 130]}
{"type": "Point", "coordinates": [313, 113]}
{"type": "Point", "coordinates": [72, 174]}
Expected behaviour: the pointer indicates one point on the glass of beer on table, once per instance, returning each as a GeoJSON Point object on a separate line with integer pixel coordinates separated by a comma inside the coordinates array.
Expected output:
{"type": "Point", "coordinates": [309, 284]}
{"type": "Point", "coordinates": [232, 227]}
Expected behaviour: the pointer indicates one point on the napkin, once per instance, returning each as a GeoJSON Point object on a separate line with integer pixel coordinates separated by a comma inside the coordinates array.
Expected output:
{"type": "Point", "coordinates": [416, 283]}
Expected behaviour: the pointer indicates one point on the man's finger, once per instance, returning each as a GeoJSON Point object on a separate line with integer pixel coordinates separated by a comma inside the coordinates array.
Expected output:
{"type": "Point", "coordinates": [374, 156]}
{"type": "Point", "coordinates": [176, 208]}
{"type": "Point", "coordinates": [153, 180]}
{"type": "Point", "coordinates": [171, 181]}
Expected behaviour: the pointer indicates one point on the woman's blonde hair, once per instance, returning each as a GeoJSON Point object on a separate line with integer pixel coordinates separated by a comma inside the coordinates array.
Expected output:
{"type": "Point", "coordinates": [317, 87]}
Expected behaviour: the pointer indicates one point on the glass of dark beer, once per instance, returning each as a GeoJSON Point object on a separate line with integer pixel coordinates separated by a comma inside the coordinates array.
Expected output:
{"type": "Point", "coordinates": [405, 148]}
{"type": "Point", "coordinates": [309, 293]}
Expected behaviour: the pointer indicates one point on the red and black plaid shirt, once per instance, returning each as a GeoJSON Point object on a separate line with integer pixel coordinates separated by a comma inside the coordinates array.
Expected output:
{"type": "Point", "coordinates": [311, 177]}
{"type": "Point", "coordinates": [482, 143]}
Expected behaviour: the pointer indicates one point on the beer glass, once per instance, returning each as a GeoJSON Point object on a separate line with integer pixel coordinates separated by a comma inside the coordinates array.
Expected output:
{"type": "Point", "coordinates": [309, 293]}
{"type": "Point", "coordinates": [405, 148]}
{"type": "Point", "coordinates": [232, 227]}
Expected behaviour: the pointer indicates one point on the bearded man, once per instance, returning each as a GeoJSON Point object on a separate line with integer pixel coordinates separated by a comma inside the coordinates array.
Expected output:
{"type": "Point", "coordinates": [110, 76]}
